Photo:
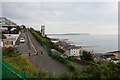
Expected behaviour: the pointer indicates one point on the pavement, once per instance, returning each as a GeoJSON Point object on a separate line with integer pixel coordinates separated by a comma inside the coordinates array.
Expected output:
{"type": "Point", "coordinates": [43, 62]}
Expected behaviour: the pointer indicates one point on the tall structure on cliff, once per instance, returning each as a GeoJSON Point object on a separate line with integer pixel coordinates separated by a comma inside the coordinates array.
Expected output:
{"type": "Point", "coordinates": [43, 30]}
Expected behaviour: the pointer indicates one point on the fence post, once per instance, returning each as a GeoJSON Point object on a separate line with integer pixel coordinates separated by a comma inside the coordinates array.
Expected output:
{"type": "Point", "coordinates": [23, 74]}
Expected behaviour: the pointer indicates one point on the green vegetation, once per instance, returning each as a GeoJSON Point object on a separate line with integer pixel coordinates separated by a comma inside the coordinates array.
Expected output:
{"type": "Point", "coordinates": [110, 70]}
{"type": "Point", "coordinates": [105, 71]}
{"type": "Point", "coordinates": [24, 27]}
{"type": "Point", "coordinates": [3, 36]}
{"type": "Point", "coordinates": [87, 56]}
{"type": "Point", "coordinates": [18, 28]}
{"type": "Point", "coordinates": [8, 51]}
{"type": "Point", "coordinates": [70, 57]}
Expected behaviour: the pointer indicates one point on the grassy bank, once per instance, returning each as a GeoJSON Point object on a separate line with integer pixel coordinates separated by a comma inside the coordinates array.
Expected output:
{"type": "Point", "coordinates": [22, 63]}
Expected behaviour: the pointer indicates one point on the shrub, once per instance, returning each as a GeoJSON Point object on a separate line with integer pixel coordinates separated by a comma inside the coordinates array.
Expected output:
{"type": "Point", "coordinates": [87, 56]}
{"type": "Point", "coordinates": [8, 51]}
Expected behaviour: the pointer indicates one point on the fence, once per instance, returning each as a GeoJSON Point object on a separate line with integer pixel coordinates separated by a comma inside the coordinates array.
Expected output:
{"type": "Point", "coordinates": [10, 72]}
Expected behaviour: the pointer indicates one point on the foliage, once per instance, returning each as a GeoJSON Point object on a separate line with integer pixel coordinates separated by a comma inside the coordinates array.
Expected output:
{"type": "Point", "coordinates": [70, 57]}
{"type": "Point", "coordinates": [93, 72]}
{"type": "Point", "coordinates": [8, 51]}
{"type": "Point", "coordinates": [18, 28]}
{"type": "Point", "coordinates": [111, 70]}
{"type": "Point", "coordinates": [46, 41]}
{"type": "Point", "coordinates": [65, 75]}
{"type": "Point", "coordinates": [87, 56]}
{"type": "Point", "coordinates": [24, 27]}
{"type": "Point", "coordinates": [3, 36]}
{"type": "Point", "coordinates": [105, 71]}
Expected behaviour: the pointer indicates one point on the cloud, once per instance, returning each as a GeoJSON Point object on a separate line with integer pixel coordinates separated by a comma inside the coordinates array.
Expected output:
{"type": "Point", "coordinates": [65, 16]}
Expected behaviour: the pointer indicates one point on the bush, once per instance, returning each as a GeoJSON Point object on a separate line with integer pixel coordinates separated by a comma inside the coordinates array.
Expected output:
{"type": "Point", "coordinates": [87, 56]}
{"type": "Point", "coordinates": [8, 51]}
{"type": "Point", "coordinates": [110, 70]}
{"type": "Point", "coordinates": [65, 75]}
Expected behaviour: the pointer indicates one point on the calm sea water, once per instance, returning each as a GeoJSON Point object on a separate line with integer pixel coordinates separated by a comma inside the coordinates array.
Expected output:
{"type": "Point", "coordinates": [96, 43]}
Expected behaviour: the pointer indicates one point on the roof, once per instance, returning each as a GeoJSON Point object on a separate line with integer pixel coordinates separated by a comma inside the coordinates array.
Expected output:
{"type": "Point", "coordinates": [64, 44]}
{"type": "Point", "coordinates": [108, 55]}
{"type": "Point", "coordinates": [73, 47]}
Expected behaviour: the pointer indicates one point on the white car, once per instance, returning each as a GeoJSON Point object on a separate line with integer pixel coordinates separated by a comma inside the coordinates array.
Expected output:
{"type": "Point", "coordinates": [22, 40]}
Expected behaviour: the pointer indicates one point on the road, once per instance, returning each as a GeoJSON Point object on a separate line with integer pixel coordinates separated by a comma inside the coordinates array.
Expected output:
{"type": "Point", "coordinates": [24, 48]}
{"type": "Point", "coordinates": [42, 62]}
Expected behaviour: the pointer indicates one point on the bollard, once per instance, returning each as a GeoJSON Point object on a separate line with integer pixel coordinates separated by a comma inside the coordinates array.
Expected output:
{"type": "Point", "coordinates": [37, 53]}
{"type": "Point", "coordinates": [41, 53]}
{"type": "Point", "coordinates": [29, 54]}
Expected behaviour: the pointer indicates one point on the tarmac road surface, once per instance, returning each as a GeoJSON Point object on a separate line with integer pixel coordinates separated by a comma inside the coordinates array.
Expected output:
{"type": "Point", "coordinates": [42, 62]}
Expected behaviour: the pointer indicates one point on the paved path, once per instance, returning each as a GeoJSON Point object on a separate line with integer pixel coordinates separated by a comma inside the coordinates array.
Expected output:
{"type": "Point", "coordinates": [43, 62]}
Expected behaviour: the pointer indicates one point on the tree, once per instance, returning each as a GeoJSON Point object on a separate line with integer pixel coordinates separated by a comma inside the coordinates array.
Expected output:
{"type": "Point", "coordinates": [18, 28]}
{"type": "Point", "coordinates": [24, 27]}
{"type": "Point", "coordinates": [110, 70]}
{"type": "Point", "coordinates": [87, 56]}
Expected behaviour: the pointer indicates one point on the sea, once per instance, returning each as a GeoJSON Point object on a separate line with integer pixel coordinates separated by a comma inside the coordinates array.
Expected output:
{"type": "Point", "coordinates": [95, 43]}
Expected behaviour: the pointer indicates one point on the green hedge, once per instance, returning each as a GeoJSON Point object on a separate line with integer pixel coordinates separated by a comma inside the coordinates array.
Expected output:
{"type": "Point", "coordinates": [46, 41]}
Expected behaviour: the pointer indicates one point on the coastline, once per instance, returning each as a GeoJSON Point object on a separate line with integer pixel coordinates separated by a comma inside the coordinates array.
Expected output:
{"type": "Point", "coordinates": [85, 47]}
{"type": "Point", "coordinates": [70, 43]}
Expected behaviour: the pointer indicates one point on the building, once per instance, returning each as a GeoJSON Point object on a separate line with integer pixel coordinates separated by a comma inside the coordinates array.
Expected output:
{"type": "Point", "coordinates": [43, 30]}
{"type": "Point", "coordinates": [73, 51]}
{"type": "Point", "coordinates": [108, 56]}
{"type": "Point", "coordinates": [117, 54]}
{"type": "Point", "coordinates": [62, 45]}
{"type": "Point", "coordinates": [8, 42]}
{"type": "Point", "coordinates": [7, 25]}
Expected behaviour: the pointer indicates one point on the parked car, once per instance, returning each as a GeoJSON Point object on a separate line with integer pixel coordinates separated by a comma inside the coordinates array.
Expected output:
{"type": "Point", "coordinates": [22, 40]}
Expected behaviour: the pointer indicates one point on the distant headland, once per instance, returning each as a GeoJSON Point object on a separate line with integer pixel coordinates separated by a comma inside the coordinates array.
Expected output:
{"type": "Point", "coordinates": [70, 34]}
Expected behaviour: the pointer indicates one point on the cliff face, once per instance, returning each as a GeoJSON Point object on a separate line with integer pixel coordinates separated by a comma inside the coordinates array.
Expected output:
{"type": "Point", "coordinates": [4, 21]}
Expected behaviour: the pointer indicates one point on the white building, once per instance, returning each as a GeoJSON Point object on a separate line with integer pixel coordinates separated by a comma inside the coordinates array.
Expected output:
{"type": "Point", "coordinates": [73, 51]}
{"type": "Point", "coordinates": [43, 30]}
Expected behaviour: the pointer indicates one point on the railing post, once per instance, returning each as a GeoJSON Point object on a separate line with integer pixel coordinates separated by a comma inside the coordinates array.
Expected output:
{"type": "Point", "coordinates": [23, 74]}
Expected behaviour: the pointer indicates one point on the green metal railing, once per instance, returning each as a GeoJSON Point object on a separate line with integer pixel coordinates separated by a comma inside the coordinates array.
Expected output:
{"type": "Point", "coordinates": [9, 72]}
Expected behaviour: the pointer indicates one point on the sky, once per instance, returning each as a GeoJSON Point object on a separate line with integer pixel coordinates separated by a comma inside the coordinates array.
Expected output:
{"type": "Point", "coordinates": [65, 17]}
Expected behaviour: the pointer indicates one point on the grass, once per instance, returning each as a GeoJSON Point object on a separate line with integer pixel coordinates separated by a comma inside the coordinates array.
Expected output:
{"type": "Point", "coordinates": [22, 63]}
